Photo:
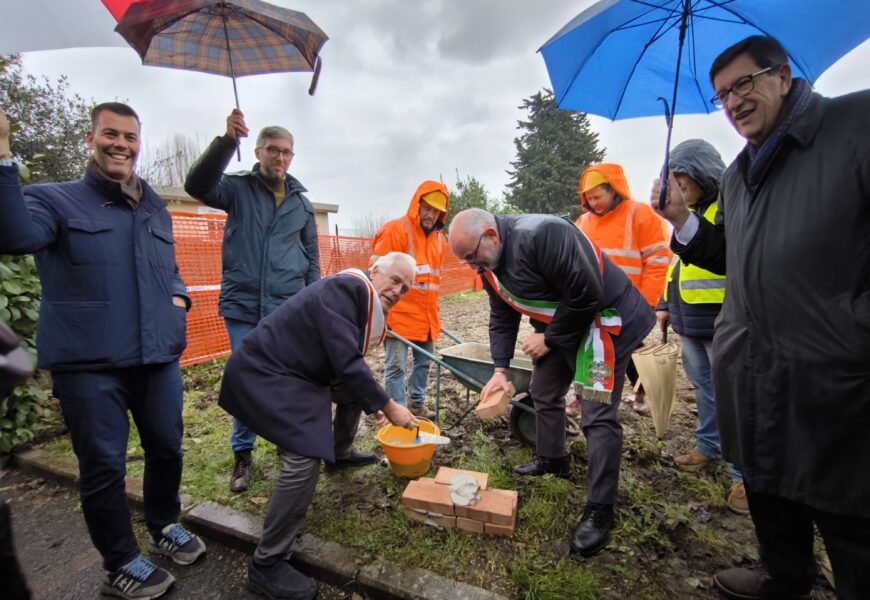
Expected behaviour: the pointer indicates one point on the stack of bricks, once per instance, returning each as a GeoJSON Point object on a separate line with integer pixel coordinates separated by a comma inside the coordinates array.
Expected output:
{"type": "Point", "coordinates": [428, 500]}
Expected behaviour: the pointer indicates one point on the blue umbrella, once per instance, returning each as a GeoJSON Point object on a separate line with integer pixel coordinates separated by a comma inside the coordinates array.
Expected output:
{"type": "Point", "coordinates": [626, 58]}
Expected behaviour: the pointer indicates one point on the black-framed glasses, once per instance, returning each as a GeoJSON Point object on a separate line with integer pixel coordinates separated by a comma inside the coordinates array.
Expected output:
{"type": "Point", "coordinates": [472, 258]}
{"type": "Point", "coordinates": [741, 88]}
{"type": "Point", "coordinates": [274, 152]}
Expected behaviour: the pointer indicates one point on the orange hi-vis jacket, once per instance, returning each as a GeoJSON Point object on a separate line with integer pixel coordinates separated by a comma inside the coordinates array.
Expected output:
{"type": "Point", "coordinates": [631, 234]}
{"type": "Point", "coordinates": [416, 316]}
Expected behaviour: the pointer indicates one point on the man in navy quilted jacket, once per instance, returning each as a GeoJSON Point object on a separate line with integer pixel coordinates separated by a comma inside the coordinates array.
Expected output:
{"type": "Point", "coordinates": [111, 329]}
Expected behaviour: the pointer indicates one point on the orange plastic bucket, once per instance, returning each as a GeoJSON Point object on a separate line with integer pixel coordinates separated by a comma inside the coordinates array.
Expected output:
{"type": "Point", "coordinates": [407, 459]}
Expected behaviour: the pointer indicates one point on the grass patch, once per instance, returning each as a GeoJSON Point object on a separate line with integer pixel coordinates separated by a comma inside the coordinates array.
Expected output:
{"type": "Point", "coordinates": [487, 457]}
{"type": "Point", "coordinates": [564, 581]}
{"type": "Point", "coordinates": [548, 508]}
{"type": "Point", "coordinates": [647, 518]}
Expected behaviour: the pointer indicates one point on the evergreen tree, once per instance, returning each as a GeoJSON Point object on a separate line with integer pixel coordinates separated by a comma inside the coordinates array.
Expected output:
{"type": "Point", "coordinates": [555, 147]}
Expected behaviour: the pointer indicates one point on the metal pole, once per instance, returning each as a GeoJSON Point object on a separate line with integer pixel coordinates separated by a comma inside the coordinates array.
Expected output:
{"type": "Point", "coordinates": [687, 9]}
{"type": "Point", "coordinates": [224, 8]}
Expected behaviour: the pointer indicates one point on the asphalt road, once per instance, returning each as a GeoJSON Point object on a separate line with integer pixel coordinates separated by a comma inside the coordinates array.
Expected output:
{"type": "Point", "coordinates": [61, 564]}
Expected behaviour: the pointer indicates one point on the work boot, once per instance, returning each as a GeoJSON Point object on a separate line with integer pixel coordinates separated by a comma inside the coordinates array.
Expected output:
{"type": "Point", "coordinates": [693, 461]}
{"type": "Point", "coordinates": [737, 501]}
{"type": "Point", "coordinates": [241, 477]}
{"type": "Point", "coordinates": [754, 584]}
{"type": "Point", "coordinates": [592, 533]}
{"type": "Point", "coordinates": [354, 459]}
{"type": "Point", "coordinates": [280, 581]}
{"type": "Point", "coordinates": [422, 411]}
{"type": "Point", "coordinates": [560, 467]}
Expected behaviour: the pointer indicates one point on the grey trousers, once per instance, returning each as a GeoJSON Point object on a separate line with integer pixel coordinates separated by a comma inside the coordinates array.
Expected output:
{"type": "Point", "coordinates": [287, 507]}
{"type": "Point", "coordinates": [297, 481]}
{"type": "Point", "coordinates": [551, 376]}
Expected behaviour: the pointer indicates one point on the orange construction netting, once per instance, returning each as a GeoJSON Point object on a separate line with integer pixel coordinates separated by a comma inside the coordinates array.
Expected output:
{"type": "Point", "coordinates": [198, 240]}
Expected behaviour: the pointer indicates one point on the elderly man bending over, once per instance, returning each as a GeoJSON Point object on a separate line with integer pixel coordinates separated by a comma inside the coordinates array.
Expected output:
{"type": "Point", "coordinates": [281, 381]}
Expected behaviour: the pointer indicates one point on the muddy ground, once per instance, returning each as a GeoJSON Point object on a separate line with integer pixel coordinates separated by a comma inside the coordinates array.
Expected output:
{"type": "Point", "coordinates": [673, 531]}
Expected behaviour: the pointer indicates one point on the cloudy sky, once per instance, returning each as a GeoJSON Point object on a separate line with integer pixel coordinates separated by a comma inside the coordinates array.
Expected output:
{"type": "Point", "coordinates": [410, 90]}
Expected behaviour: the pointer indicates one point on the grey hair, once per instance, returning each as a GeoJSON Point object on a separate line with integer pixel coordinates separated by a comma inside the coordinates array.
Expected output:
{"type": "Point", "coordinates": [389, 259]}
{"type": "Point", "coordinates": [272, 132]}
{"type": "Point", "coordinates": [474, 221]}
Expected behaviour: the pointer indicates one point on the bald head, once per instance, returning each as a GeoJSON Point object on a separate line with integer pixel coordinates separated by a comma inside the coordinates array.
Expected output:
{"type": "Point", "coordinates": [474, 238]}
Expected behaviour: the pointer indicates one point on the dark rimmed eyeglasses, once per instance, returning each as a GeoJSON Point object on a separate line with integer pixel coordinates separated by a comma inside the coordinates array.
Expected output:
{"type": "Point", "coordinates": [472, 258]}
{"type": "Point", "coordinates": [741, 88]}
{"type": "Point", "coordinates": [274, 152]}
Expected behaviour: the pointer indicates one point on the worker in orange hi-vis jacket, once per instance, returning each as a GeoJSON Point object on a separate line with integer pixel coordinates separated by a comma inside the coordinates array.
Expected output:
{"type": "Point", "coordinates": [416, 316]}
{"type": "Point", "coordinates": [630, 234]}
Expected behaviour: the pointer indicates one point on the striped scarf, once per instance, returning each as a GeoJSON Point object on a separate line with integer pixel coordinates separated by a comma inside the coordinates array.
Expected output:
{"type": "Point", "coordinates": [596, 358]}
{"type": "Point", "coordinates": [376, 326]}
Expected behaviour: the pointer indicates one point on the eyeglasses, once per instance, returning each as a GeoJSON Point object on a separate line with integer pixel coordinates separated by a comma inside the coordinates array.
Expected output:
{"type": "Point", "coordinates": [274, 152]}
{"type": "Point", "coordinates": [741, 88]}
{"type": "Point", "coordinates": [471, 259]}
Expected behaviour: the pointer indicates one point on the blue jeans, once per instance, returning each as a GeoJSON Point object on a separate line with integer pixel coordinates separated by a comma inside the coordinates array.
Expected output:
{"type": "Point", "coordinates": [243, 439]}
{"type": "Point", "coordinates": [697, 362]}
{"type": "Point", "coordinates": [94, 406]}
{"type": "Point", "coordinates": [397, 365]}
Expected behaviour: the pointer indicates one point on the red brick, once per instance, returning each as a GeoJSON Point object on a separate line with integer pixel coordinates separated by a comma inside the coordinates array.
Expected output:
{"type": "Point", "coordinates": [426, 495]}
{"type": "Point", "coordinates": [469, 525]}
{"type": "Point", "coordinates": [445, 474]}
{"type": "Point", "coordinates": [493, 529]}
{"type": "Point", "coordinates": [498, 507]}
{"type": "Point", "coordinates": [430, 518]}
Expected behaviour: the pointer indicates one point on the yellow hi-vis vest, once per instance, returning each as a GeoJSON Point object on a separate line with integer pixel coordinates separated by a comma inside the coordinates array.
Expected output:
{"type": "Point", "coordinates": [697, 285]}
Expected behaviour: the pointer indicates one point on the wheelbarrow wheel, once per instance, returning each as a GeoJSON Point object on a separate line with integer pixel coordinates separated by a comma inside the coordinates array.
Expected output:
{"type": "Point", "coordinates": [523, 422]}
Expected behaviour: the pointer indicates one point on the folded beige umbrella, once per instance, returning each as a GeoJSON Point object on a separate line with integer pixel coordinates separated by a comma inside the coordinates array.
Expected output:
{"type": "Point", "coordinates": [657, 367]}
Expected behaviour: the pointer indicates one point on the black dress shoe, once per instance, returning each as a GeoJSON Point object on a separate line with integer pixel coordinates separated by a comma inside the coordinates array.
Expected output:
{"type": "Point", "coordinates": [592, 533]}
{"type": "Point", "coordinates": [560, 467]}
{"type": "Point", "coordinates": [354, 459]}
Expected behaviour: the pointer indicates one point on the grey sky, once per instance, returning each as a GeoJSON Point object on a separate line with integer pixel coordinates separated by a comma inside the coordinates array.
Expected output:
{"type": "Point", "coordinates": [410, 90]}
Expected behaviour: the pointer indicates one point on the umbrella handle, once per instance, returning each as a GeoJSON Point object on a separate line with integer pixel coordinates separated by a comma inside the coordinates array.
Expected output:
{"type": "Point", "coordinates": [664, 333]}
{"type": "Point", "coordinates": [316, 77]}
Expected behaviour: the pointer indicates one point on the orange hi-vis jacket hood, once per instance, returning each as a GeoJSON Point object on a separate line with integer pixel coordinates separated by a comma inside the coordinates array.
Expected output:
{"type": "Point", "coordinates": [416, 316]}
{"type": "Point", "coordinates": [630, 233]}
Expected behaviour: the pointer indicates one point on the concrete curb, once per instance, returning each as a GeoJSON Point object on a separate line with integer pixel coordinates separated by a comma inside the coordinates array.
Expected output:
{"type": "Point", "coordinates": [326, 561]}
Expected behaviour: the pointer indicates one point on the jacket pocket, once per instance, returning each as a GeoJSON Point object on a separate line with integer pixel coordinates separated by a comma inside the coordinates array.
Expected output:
{"type": "Point", "coordinates": [162, 248]}
{"type": "Point", "coordinates": [79, 331]}
{"type": "Point", "coordinates": [91, 242]}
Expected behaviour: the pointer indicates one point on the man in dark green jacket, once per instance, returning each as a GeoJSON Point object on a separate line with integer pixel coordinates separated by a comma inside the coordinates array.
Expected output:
{"type": "Point", "coordinates": [270, 247]}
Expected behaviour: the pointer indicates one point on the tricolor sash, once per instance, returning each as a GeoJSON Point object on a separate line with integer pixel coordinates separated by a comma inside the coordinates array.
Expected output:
{"type": "Point", "coordinates": [596, 358]}
{"type": "Point", "coordinates": [376, 325]}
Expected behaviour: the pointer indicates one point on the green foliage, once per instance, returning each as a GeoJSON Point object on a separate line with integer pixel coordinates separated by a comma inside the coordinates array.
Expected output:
{"type": "Point", "coordinates": [23, 412]}
{"type": "Point", "coordinates": [469, 193]}
{"type": "Point", "coordinates": [555, 147]}
{"type": "Point", "coordinates": [49, 123]}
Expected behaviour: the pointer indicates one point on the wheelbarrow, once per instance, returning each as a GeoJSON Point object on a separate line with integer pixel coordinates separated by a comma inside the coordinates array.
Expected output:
{"type": "Point", "coordinates": [471, 364]}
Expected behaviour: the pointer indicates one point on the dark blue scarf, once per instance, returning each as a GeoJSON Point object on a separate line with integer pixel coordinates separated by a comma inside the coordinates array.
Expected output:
{"type": "Point", "coordinates": [761, 156]}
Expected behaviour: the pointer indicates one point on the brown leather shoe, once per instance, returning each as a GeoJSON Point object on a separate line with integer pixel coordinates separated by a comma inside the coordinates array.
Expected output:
{"type": "Point", "coordinates": [737, 501]}
{"type": "Point", "coordinates": [241, 476]}
{"type": "Point", "coordinates": [753, 584]}
{"type": "Point", "coordinates": [693, 461]}
{"type": "Point", "coordinates": [422, 411]}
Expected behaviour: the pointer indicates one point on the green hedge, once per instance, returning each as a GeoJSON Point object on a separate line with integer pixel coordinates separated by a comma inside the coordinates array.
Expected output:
{"type": "Point", "coordinates": [24, 411]}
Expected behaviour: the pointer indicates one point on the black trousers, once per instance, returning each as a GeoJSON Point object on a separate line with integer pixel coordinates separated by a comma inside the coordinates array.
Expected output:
{"type": "Point", "coordinates": [785, 536]}
{"type": "Point", "coordinates": [551, 376]}
{"type": "Point", "coordinates": [633, 376]}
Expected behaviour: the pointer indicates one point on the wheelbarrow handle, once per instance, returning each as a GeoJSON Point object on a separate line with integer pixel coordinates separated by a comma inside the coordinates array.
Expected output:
{"type": "Point", "coordinates": [452, 336]}
{"type": "Point", "coordinates": [475, 384]}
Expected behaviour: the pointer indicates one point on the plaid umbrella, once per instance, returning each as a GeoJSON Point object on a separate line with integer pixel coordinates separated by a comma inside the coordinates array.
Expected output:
{"type": "Point", "coordinates": [243, 37]}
